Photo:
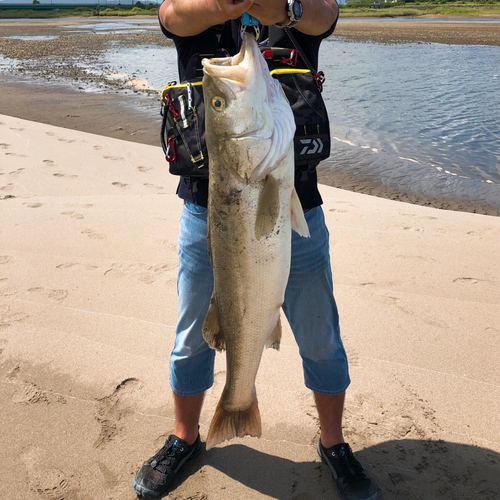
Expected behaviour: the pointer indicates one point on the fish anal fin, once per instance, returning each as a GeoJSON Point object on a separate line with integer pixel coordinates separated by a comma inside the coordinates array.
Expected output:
{"type": "Point", "coordinates": [229, 424]}
{"type": "Point", "coordinates": [211, 329]}
{"type": "Point", "coordinates": [268, 208]}
{"type": "Point", "coordinates": [299, 223]}
{"type": "Point", "coordinates": [274, 339]}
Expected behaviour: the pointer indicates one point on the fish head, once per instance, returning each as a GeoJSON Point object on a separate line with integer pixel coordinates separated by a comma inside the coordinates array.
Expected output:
{"type": "Point", "coordinates": [241, 103]}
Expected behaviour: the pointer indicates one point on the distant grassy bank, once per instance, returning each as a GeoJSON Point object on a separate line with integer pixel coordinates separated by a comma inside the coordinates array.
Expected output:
{"type": "Point", "coordinates": [371, 8]}
{"type": "Point", "coordinates": [363, 8]}
{"type": "Point", "coordinates": [48, 12]}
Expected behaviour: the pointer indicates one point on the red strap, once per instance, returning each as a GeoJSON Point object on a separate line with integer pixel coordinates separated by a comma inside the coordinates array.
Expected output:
{"type": "Point", "coordinates": [171, 105]}
{"type": "Point", "coordinates": [170, 155]}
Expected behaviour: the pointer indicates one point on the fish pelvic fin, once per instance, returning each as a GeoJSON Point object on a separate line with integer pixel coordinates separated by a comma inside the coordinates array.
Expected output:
{"type": "Point", "coordinates": [268, 208]}
{"type": "Point", "coordinates": [229, 424]}
{"type": "Point", "coordinates": [274, 339]}
{"type": "Point", "coordinates": [299, 223]}
{"type": "Point", "coordinates": [212, 332]}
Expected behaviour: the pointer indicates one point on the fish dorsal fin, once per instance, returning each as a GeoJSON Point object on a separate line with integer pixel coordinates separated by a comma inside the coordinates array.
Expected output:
{"type": "Point", "coordinates": [268, 208]}
{"type": "Point", "coordinates": [299, 224]}
{"type": "Point", "coordinates": [212, 332]}
{"type": "Point", "coordinates": [274, 339]}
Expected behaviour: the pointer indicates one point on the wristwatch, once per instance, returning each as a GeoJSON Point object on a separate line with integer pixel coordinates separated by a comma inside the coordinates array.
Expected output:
{"type": "Point", "coordinates": [294, 12]}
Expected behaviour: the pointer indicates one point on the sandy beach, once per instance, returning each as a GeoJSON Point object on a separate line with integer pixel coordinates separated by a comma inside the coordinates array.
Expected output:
{"type": "Point", "coordinates": [88, 228]}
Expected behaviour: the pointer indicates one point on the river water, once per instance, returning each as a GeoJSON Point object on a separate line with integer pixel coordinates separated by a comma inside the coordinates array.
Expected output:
{"type": "Point", "coordinates": [420, 117]}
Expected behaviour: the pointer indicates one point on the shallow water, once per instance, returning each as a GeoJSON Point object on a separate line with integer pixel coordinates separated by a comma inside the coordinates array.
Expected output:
{"type": "Point", "coordinates": [423, 118]}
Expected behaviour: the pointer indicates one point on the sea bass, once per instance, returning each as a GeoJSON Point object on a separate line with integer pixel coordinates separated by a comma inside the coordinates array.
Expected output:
{"type": "Point", "coordinates": [252, 208]}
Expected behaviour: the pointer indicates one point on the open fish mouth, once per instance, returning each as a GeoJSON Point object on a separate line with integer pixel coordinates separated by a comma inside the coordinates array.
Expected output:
{"type": "Point", "coordinates": [236, 69]}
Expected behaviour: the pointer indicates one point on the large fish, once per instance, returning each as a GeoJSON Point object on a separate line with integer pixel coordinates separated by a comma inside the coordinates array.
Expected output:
{"type": "Point", "coordinates": [252, 207]}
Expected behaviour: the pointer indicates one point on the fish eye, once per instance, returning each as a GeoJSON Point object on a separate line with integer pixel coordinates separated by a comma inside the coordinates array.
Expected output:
{"type": "Point", "coordinates": [218, 103]}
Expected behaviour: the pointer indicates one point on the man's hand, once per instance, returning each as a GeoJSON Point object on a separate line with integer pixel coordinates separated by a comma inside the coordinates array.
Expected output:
{"type": "Point", "coordinates": [269, 12]}
{"type": "Point", "coordinates": [232, 9]}
{"type": "Point", "coordinates": [190, 17]}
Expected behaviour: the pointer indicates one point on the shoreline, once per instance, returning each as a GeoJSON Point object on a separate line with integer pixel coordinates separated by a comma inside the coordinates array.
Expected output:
{"type": "Point", "coordinates": [124, 112]}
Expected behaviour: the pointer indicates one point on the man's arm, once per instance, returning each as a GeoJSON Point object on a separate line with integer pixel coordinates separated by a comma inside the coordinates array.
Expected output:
{"type": "Point", "coordinates": [317, 17]}
{"type": "Point", "coordinates": [190, 17]}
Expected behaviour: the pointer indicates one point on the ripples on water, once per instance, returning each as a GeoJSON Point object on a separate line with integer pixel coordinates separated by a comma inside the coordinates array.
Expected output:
{"type": "Point", "coordinates": [423, 118]}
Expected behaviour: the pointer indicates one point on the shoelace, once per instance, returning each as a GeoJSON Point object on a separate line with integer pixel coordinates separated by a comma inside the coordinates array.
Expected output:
{"type": "Point", "coordinates": [165, 455]}
{"type": "Point", "coordinates": [351, 468]}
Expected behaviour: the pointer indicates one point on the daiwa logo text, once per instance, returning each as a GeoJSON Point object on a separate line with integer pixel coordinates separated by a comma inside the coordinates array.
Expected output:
{"type": "Point", "coordinates": [311, 146]}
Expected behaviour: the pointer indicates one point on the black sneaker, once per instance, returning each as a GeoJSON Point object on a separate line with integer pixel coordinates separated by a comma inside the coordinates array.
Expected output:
{"type": "Point", "coordinates": [156, 475]}
{"type": "Point", "coordinates": [353, 482]}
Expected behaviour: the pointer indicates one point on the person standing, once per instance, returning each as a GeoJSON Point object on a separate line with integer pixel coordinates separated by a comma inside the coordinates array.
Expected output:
{"type": "Point", "coordinates": [190, 23]}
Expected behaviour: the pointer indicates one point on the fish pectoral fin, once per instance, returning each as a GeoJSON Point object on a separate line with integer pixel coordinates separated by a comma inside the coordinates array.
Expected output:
{"type": "Point", "coordinates": [299, 223]}
{"type": "Point", "coordinates": [274, 339]}
{"type": "Point", "coordinates": [229, 424]}
{"type": "Point", "coordinates": [211, 329]}
{"type": "Point", "coordinates": [268, 208]}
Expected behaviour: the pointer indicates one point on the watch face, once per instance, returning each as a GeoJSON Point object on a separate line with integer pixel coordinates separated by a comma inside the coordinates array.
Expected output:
{"type": "Point", "coordinates": [297, 9]}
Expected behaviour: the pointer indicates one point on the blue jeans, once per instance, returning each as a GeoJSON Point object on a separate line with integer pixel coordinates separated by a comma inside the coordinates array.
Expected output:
{"type": "Point", "coordinates": [309, 307]}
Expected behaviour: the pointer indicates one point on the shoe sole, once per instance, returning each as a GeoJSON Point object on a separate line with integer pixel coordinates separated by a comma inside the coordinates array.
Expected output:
{"type": "Point", "coordinates": [147, 493]}
{"type": "Point", "coordinates": [334, 474]}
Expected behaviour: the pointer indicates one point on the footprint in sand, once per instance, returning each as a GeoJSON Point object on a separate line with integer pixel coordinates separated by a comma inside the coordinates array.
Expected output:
{"type": "Point", "coordinates": [48, 483]}
{"type": "Point", "coordinates": [50, 294]}
{"type": "Point", "coordinates": [4, 145]}
{"type": "Point", "coordinates": [152, 186]}
{"type": "Point", "coordinates": [5, 259]}
{"type": "Point", "coordinates": [114, 158]}
{"type": "Point", "coordinates": [19, 155]}
{"type": "Point", "coordinates": [142, 272]}
{"type": "Point", "coordinates": [69, 141]}
{"type": "Point", "coordinates": [51, 134]}
{"type": "Point", "coordinates": [7, 291]}
{"type": "Point", "coordinates": [85, 205]}
{"type": "Point", "coordinates": [3, 345]}
{"type": "Point", "coordinates": [8, 316]}
{"type": "Point", "coordinates": [470, 281]}
{"type": "Point", "coordinates": [97, 148]}
{"type": "Point", "coordinates": [60, 174]}
{"type": "Point", "coordinates": [141, 168]}
{"type": "Point", "coordinates": [8, 187]}
{"type": "Point", "coordinates": [34, 205]}
{"type": "Point", "coordinates": [120, 184]}
{"type": "Point", "coordinates": [73, 215]}
{"type": "Point", "coordinates": [113, 409]}
{"type": "Point", "coordinates": [69, 265]}
{"type": "Point", "coordinates": [93, 234]}
{"type": "Point", "coordinates": [28, 393]}
{"type": "Point", "coordinates": [17, 172]}
{"type": "Point", "coordinates": [49, 163]}
{"type": "Point", "coordinates": [17, 129]}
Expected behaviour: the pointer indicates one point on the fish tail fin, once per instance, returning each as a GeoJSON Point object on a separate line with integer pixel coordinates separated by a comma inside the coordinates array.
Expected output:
{"type": "Point", "coordinates": [229, 424]}
{"type": "Point", "coordinates": [299, 223]}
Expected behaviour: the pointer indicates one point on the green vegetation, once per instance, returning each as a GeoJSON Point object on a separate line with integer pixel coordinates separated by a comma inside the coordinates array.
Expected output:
{"type": "Point", "coordinates": [375, 8]}
{"type": "Point", "coordinates": [356, 8]}
{"type": "Point", "coordinates": [37, 11]}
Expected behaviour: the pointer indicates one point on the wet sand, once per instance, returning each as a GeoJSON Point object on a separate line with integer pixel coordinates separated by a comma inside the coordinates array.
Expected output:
{"type": "Point", "coordinates": [123, 111]}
